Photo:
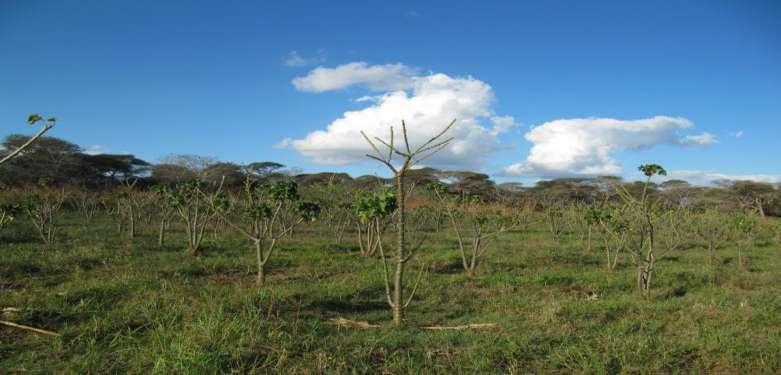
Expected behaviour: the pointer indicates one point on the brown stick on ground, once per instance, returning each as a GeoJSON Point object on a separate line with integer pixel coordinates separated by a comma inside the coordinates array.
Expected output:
{"type": "Point", "coordinates": [479, 326]}
{"type": "Point", "coordinates": [342, 322]}
{"type": "Point", "coordinates": [28, 328]}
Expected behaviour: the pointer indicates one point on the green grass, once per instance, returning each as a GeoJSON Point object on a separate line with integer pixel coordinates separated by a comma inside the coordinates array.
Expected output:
{"type": "Point", "coordinates": [138, 308]}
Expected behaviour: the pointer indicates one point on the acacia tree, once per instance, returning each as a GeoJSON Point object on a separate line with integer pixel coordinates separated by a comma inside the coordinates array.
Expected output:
{"type": "Point", "coordinates": [409, 158]}
{"type": "Point", "coordinates": [269, 213]}
{"type": "Point", "coordinates": [32, 120]}
{"type": "Point", "coordinates": [371, 211]}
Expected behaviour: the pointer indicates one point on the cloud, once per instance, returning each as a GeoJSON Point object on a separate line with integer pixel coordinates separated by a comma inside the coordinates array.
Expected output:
{"type": "Point", "coordinates": [704, 139]}
{"type": "Point", "coordinates": [375, 77]}
{"type": "Point", "coordinates": [95, 150]}
{"type": "Point", "coordinates": [707, 178]}
{"type": "Point", "coordinates": [737, 134]}
{"type": "Point", "coordinates": [294, 59]}
{"type": "Point", "coordinates": [426, 103]}
{"type": "Point", "coordinates": [584, 146]}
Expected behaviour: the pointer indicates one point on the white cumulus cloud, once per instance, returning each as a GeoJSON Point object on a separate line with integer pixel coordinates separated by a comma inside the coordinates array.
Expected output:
{"type": "Point", "coordinates": [375, 77]}
{"type": "Point", "coordinates": [426, 103]}
{"type": "Point", "coordinates": [585, 146]}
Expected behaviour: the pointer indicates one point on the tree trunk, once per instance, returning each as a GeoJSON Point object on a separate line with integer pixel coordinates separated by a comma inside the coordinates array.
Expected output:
{"type": "Point", "coordinates": [398, 282]}
{"type": "Point", "coordinates": [261, 265]}
{"type": "Point", "coordinates": [161, 234]}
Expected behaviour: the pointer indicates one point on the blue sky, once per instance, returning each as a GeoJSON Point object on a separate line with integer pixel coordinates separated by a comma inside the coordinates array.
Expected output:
{"type": "Point", "coordinates": [216, 78]}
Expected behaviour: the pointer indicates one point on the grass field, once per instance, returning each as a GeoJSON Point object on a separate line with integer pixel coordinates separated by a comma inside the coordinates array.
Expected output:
{"type": "Point", "coordinates": [140, 308]}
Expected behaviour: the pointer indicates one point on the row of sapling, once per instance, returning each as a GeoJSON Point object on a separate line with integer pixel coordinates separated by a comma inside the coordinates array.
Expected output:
{"type": "Point", "coordinates": [268, 213]}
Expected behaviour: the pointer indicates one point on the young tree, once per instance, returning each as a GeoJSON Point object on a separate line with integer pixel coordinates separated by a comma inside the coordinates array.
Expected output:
{"type": "Point", "coordinates": [43, 208]}
{"type": "Point", "coordinates": [196, 206]}
{"type": "Point", "coordinates": [640, 214]}
{"type": "Point", "coordinates": [745, 227]}
{"type": "Point", "coordinates": [32, 120]}
{"type": "Point", "coordinates": [475, 224]}
{"type": "Point", "coordinates": [372, 210]}
{"type": "Point", "coordinates": [614, 232]}
{"type": "Point", "coordinates": [336, 207]}
{"type": "Point", "coordinates": [409, 158]}
{"type": "Point", "coordinates": [269, 213]}
{"type": "Point", "coordinates": [7, 212]}
{"type": "Point", "coordinates": [714, 230]}
{"type": "Point", "coordinates": [165, 209]}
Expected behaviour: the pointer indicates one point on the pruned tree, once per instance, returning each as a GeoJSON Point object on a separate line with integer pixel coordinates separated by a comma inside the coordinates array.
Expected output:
{"type": "Point", "coordinates": [754, 195]}
{"type": "Point", "coordinates": [32, 120]}
{"type": "Point", "coordinates": [640, 214]}
{"type": "Point", "coordinates": [409, 158]}
{"type": "Point", "coordinates": [475, 224]}
{"type": "Point", "coordinates": [614, 230]}
{"type": "Point", "coordinates": [714, 230]}
{"type": "Point", "coordinates": [165, 209]}
{"type": "Point", "coordinates": [43, 208]}
{"type": "Point", "coordinates": [745, 228]}
{"type": "Point", "coordinates": [197, 206]}
{"type": "Point", "coordinates": [372, 210]}
{"type": "Point", "coordinates": [336, 207]}
{"type": "Point", "coordinates": [269, 213]}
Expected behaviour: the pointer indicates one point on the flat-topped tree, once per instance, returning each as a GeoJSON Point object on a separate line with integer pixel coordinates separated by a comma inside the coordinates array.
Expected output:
{"type": "Point", "coordinates": [409, 158]}
{"type": "Point", "coordinates": [32, 120]}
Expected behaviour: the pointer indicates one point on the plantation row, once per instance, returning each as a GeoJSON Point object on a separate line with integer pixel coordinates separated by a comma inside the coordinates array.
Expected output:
{"type": "Point", "coordinates": [638, 228]}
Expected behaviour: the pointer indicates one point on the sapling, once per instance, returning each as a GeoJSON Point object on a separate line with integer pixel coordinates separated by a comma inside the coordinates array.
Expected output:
{"type": "Point", "coordinates": [475, 224]}
{"type": "Point", "coordinates": [7, 212]}
{"type": "Point", "coordinates": [165, 209]}
{"type": "Point", "coordinates": [641, 215]}
{"type": "Point", "coordinates": [372, 210]}
{"type": "Point", "coordinates": [87, 204]}
{"type": "Point", "coordinates": [269, 212]}
{"type": "Point", "coordinates": [608, 221]}
{"type": "Point", "coordinates": [43, 208]}
{"type": "Point", "coordinates": [409, 158]}
{"type": "Point", "coordinates": [745, 230]}
{"type": "Point", "coordinates": [197, 206]}
{"type": "Point", "coordinates": [336, 207]}
{"type": "Point", "coordinates": [714, 230]}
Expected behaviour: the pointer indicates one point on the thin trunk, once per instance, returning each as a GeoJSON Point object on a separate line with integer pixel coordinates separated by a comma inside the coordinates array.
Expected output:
{"type": "Point", "coordinates": [261, 264]}
{"type": "Point", "coordinates": [398, 282]}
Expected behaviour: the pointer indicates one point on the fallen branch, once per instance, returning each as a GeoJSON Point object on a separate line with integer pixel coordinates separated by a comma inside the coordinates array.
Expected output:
{"type": "Point", "coordinates": [11, 309]}
{"type": "Point", "coordinates": [342, 322]}
{"type": "Point", "coordinates": [479, 326]}
{"type": "Point", "coordinates": [28, 328]}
